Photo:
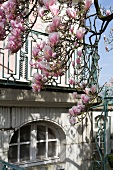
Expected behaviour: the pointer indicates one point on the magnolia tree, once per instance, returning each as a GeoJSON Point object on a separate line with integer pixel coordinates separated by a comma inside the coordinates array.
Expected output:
{"type": "Point", "coordinates": [71, 25]}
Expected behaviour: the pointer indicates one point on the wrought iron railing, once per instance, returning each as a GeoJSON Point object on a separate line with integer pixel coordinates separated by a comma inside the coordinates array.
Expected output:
{"type": "Point", "coordinates": [15, 68]}
{"type": "Point", "coordinates": [9, 166]}
{"type": "Point", "coordinates": [101, 161]}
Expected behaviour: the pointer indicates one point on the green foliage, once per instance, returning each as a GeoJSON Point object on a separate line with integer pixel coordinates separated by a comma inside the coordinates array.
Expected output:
{"type": "Point", "coordinates": [110, 160]}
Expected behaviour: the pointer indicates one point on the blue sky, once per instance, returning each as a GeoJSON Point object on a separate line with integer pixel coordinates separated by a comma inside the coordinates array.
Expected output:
{"type": "Point", "coordinates": [106, 58]}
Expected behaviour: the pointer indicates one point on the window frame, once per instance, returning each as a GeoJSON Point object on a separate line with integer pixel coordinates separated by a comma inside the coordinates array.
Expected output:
{"type": "Point", "coordinates": [33, 142]}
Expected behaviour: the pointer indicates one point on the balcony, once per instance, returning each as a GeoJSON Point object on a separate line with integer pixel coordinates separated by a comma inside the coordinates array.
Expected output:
{"type": "Point", "coordinates": [16, 71]}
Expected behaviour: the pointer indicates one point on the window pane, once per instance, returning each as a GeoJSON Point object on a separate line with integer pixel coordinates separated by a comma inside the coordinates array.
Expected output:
{"type": "Point", "coordinates": [51, 149]}
{"type": "Point", "coordinates": [24, 152]}
{"type": "Point", "coordinates": [41, 150]}
{"type": "Point", "coordinates": [41, 132]}
{"type": "Point", "coordinates": [14, 138]}
{"type": "Point", "coordinates": [12, 155]}
{"type": "Point", "coordinates": [51, 134]}
{"type": "Point", "coordinates": [25, 133]}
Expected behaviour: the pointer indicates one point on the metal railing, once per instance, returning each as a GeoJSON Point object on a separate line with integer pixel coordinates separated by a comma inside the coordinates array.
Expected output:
{"type": "Point", "coordinates": [101, 161]}
{"type": "Point", "coordinates": [9, 166]}
{"type": "Point", "coordinates": [15, 68]}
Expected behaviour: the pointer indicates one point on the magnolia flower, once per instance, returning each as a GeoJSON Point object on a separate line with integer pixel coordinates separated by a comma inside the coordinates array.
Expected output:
{"type": "Point", "coordinates": [37, 78]}
{"type": "Point", "coordinates": [54, 9]}
{"type": "Point", "coordinates": [56, 21]}
{"type": "Point", "coordinates": [72, 28]}
{"type": "Point", "coordinates": [87, 90]}
{"type": "Point", "coordinates": [78, 60]}
{"type": "Point", "coordinates": [108, 12]}
{"type": "Point", "coordinates": [72, 82]}
{"type": "Point", "coordinates": [41, 11]}
{"type": "Point", "coordinates": [48, 3]}
{"type": "Point", "coordinates": [71, 12]}
{"type": "Point", "coordinates": [54, 55]}
{"type": "Point", "coordinates": [93, 89]}
{"type": "Point", "coordinates": [54, 38]}
{"type": "Point", "coordinates": [71, 112]}
{"type": "Point", "coordinates": [36, 88]}
{"type": "Point", "coordinates": [41, 44]}
{"type": "Point", "coordinates": [76, 110]}
{"type": "Point", "coordinates": [85, 98]}
{"type": "Point", "coordinates": [79, 53]}
{"type": "Point", "coordinates": [75, 95]}
{"type": "Point", "coordinates": [81, 106]}
{"type": "Point", "coordinates": [51, 28]}
{"type": "Point", "coordinates": [47, 52]}
{"type": "Point", "coordinates": [88, 3]}
{"type": "Point", "coordinates": [43, 65]}
{"type": "Point", "coordinates": [73, 63]}
{"type": "Point", "coordinates": [35, 51]}
{"type": "Point", "coordinates": [80, 33]}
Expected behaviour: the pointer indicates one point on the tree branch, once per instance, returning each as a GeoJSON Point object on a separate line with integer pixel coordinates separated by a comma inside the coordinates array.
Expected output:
{"type": "Point", "coordinates": [99, 14]}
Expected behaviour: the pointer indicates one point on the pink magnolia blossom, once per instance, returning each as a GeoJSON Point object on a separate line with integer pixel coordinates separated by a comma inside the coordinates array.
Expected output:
{"type": "Point", "coordinates": [75, 95]}
{"type": "Point", "coordinates": [18, 25]}
{"type": "Point", "coordinates": [2, 24]}
{"type": "Point", "coordinates": [78, 60]}
{"type": "Point", "coordinates": [73, 63]}
{"type": "Point", "coordinates": [35, 51]}
{"type": "Point", "coordinates": [46, 73]}
{"type": "Point", "coordinates": [85, 98]}
{"type": "Point", "coordinates": [88, 3]}
{"type": "Point", "coordinates": [72, 28]}
{"type": "Point", "coordinates": [41, 11]}
{"type": "Point", "coordinates": [51, 28]}
{"type": "Point", "coordinates": [93, 89]}
{"type": "Point", "coordinates": [54, 55]}
{"type": "Point", "coordinates": [71, 12]}
{"type": "Point", "coordinates": [54, 38]}
{"type": "Point", "coordinates": [9, 8]}
{"type": "Point", "coordinates": [43, 65]}
{"type": "Point", "coordinates": [83, 85]}
{"type": "Point", "coordinates": [87, 90]}
{"type": "Point", "coordinates": [54, 9]}
{"type": "Point", "coordinates": [80, 33]}
{"type": "Point", "coordinates": [79, 53]}
{"type": "Point", "coordinates": [72, 81]}
{"type": "Point", "coordinates": [81, 106]}
{"type": "Point", "coordinates": [108, 12]}
{"type": "Point", "coordinates": [56, 21]}
{"type": "Point", "coordinates": [48, 3]}
{"type": "Point", "coordinates": [47, 52]}
{"type": "Point", "coordinates": [36, 88]}
{"type": "Point", "coordinates": [33, 64]}
{"type": "Point", "coordinates": [38, 81]}
{"type": "Point", "coordinates": [75, 44]}
{"type": "Point", "coordinates": [41, 45]}
{"type": "Point", "coordinates": [76, 110]}
{"type": "Point", "coordinates": [71, 112]}
{"type": "Point", "coordinates": [14, 44]}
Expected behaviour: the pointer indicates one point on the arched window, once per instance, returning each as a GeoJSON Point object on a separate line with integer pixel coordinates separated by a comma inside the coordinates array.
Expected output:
{"type": "Point", "coordinates": [36, 141]}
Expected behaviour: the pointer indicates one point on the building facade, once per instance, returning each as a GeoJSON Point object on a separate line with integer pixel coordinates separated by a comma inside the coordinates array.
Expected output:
{"type": "Point", "coordinates": [36, 133]}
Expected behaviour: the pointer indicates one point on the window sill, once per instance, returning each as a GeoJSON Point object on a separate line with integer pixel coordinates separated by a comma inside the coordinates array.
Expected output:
{"type": "Point", "coordinates": [26, 164]}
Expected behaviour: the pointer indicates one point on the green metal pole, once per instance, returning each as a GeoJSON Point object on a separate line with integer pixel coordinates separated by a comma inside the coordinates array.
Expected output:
{"type": "Point", "coordinates": [105, 135]}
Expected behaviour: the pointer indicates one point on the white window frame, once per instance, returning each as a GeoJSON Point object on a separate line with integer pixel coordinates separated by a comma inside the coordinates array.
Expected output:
{"type": "Point", "coordinates": [33, 143]}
